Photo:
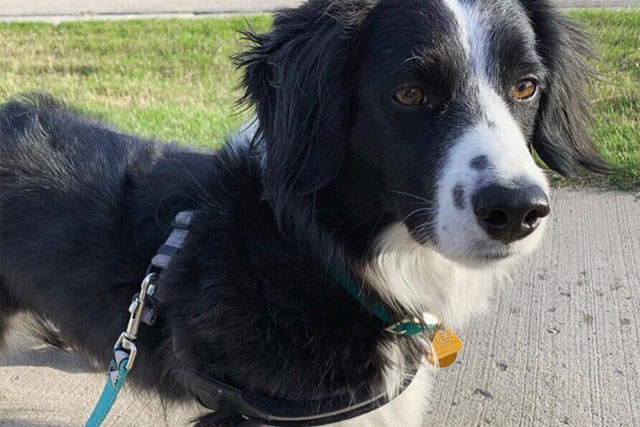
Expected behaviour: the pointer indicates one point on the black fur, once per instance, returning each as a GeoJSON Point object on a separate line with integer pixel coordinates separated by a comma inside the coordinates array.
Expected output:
{"type": "Point", "coordinates": [83, 210]}
{"type": "Point", "coordinates": [299, 76]}
{"type": "Point", "coordinates": [561, 134]}
{"type": "Point", "coordinates": [249, 300]}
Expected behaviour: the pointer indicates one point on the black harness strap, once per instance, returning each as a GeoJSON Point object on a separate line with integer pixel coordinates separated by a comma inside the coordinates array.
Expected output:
{"type": "Point", "coordinates": [282, 413]}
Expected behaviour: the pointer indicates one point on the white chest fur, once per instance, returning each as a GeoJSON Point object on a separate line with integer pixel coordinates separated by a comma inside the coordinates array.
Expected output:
{"type": "Point", "coordinates": [417, 278]}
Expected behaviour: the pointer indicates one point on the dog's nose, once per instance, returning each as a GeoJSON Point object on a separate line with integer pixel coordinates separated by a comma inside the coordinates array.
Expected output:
{"type": "Point", "coordinates": [510, 214]}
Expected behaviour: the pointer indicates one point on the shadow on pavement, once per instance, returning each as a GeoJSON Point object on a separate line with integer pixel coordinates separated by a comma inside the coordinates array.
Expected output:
{"type": "Point", "coordinates": [47, 357]}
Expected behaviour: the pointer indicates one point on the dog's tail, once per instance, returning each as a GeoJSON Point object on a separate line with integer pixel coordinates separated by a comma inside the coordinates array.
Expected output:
{"type": "Point", "coordinates": [34, 324]}
{"type": "Point", "coordinates": [45, 331]}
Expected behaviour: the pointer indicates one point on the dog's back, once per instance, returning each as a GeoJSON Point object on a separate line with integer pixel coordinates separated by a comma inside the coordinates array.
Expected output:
{"type": "Point", "coordinates": [78, 206]}
{"type": "Point", "coordinates": [62, 181]}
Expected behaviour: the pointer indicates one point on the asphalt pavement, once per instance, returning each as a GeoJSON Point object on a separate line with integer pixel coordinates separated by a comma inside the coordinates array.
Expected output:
{"type": "Point", "coordinates": [559, 346]}
{"type": "Point", "coordinates": [63, 10]}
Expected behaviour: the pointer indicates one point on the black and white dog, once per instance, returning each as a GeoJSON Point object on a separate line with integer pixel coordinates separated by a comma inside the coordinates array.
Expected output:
{"type": "Point", "coordinates": [393, 138]}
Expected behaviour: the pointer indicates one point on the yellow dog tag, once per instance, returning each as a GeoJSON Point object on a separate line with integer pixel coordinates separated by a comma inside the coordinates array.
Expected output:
{"type": "Point", "coordinates": [445, 345]}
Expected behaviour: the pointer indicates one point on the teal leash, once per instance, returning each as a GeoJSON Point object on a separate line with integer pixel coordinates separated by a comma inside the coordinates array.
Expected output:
{"type": "Point", "coordinates": [377, 309]}
{"type": "Point", "coordinates": [124, 352]}
{"type": "Point", "coordinates": [115, 380]}
{"type": "Point", "coordinates": [407, 327]}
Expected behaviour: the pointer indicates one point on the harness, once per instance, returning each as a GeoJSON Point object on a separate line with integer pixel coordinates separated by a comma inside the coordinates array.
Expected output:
{"type": "Point", "coordinates": [210, 392]}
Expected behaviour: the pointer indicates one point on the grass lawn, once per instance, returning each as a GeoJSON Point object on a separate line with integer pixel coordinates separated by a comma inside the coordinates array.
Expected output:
{"type": "Point", "coordinates": [172, 79]}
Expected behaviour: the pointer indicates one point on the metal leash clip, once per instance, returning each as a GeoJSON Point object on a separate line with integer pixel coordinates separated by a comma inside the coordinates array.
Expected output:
{"type": "Point", "coordinates": [137, 310]}
{"type": "Point", "coordinates": [143, 308]}
{"type": "Point", "coordinates": [410, 326]}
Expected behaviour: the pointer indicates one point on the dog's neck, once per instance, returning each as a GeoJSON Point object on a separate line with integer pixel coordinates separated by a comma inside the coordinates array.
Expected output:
{"type": "Point", "coordinates": [418, 278]}
{"type": "Point", "coordinates": [352, 210]}
{"type": "Point", "coordinates": [409, 276]}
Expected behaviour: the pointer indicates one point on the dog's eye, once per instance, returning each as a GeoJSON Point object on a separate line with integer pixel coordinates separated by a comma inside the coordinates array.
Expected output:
{"type": "Point", "coordinates": [524, 89]}
{"type": "Point", "coordinates": [411, 97]}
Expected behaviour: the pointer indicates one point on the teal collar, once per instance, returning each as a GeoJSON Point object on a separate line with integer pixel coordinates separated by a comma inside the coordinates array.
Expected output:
{"type": "Point", "coordinates": [407, 327]}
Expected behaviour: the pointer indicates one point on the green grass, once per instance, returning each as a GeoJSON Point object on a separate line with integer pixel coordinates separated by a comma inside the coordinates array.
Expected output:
{"type": "Point", "coordinates": [616, 94]}
{"type": "Point", "coordinates": [172, 79]}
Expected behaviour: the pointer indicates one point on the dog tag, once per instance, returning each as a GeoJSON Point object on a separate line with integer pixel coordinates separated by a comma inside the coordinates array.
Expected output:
{"type": "Point", "coordinates": [445, 345]}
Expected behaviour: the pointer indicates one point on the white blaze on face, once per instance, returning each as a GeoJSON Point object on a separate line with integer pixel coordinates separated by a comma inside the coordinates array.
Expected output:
{"type": "Point", "coordinates": [495, 142]}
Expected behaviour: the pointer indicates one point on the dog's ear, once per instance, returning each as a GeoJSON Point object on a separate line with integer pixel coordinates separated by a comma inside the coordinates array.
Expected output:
{"type": "Point", "coordinates": [561, 137]}
{"type": "Point", "coordinates": [297, 78]}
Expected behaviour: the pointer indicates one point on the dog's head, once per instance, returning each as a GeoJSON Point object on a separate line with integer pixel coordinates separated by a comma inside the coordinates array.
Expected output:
{"type": "Point", "coordinates": [443, 101]}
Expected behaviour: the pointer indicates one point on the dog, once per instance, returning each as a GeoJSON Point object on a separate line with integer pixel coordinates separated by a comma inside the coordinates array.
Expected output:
{"type": "Point", "coordinates": [393, 139]}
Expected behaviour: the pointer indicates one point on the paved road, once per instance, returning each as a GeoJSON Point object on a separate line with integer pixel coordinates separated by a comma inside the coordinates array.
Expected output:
{"type": "Point", "coordinates": [558, 348]}
{"type": "Point", "coordinates": [61, 10]}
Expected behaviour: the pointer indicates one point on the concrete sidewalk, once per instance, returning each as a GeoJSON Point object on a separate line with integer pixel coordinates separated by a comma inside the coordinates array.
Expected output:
{"type": "Point", "coordinates": [559, 347]}
{"type": "Point", "coordinates": [64, 10]}
{"type": "Point", "coordinates": [125, 7]}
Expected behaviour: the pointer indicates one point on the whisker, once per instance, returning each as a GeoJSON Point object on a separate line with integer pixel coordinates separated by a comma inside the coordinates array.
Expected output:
{"type": "Point", "coordinates": [409, 194]}
{"type": "Point", "coordinates": [454, 172]}
{"type": "Point", "coordinates": [415, 211]}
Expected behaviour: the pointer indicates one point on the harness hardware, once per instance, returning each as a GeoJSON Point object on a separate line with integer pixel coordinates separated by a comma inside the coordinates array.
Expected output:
{"type": "Point", "coordinates": [143, 309]}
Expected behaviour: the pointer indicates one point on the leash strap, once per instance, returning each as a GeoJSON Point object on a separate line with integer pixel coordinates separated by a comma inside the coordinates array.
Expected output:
{"type": "Point", "coordinates": [115, 380]}
{"type": "Point", "coordinates": [408, 326]}
{"type": "Point", "coordinates": [143, 309]}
